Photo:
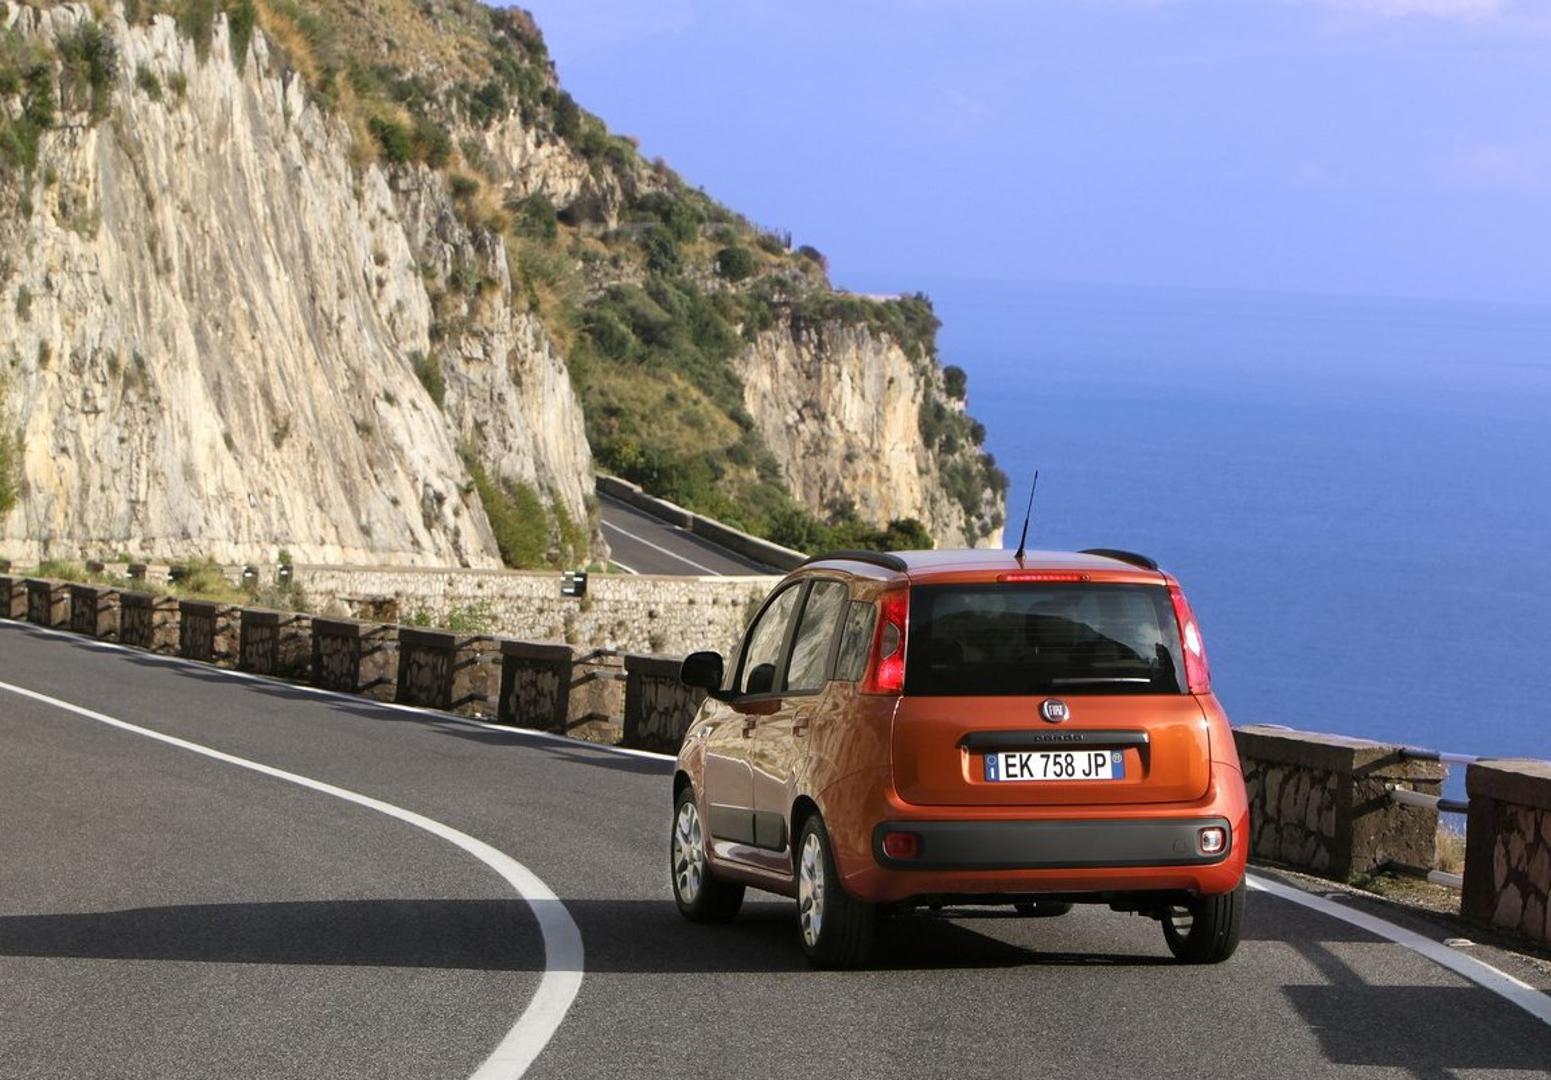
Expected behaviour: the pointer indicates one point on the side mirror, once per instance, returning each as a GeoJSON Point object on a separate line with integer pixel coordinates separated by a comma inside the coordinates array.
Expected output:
{"type": "Point", "coordinates": [702, 669]}
{"type": "Point", "coordinates": [762, 679]}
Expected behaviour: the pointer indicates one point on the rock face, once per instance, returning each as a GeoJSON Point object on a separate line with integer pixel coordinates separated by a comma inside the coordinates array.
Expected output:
{"type": "Point", "coordinates": [210, 324]}
{"type": "Point", "coordinates": [840, 408]}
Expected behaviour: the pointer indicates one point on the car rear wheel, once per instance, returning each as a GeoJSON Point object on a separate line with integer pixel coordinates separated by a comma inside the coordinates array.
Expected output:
{"type": "Point", "coordinates": [837, 929]}
{"type": "Point", "coordinates": [1042, 909]}
{"type": "Point", "coordinates": [701, 896]}
{"type": "Point", "coordinates": [1206, 930]}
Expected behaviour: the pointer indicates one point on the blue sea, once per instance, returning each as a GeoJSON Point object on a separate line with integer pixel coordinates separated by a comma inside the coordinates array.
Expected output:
{"type": "Point", "coordinates": [1356, 493]}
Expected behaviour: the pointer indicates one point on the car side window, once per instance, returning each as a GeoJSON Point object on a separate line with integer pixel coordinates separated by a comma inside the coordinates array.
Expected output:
{"type": "Point", "coordinates": [851, 664]}
{"type": "Point", "coordinates": [765, 642]}
{"type": "Point", "coordinates": [815, 635]}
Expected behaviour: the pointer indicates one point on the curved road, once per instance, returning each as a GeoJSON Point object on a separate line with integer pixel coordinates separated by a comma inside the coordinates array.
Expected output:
{"type": "Point", "coordinates": [643, 544]}
{"type": "Point", "coordinates": [166, 915]}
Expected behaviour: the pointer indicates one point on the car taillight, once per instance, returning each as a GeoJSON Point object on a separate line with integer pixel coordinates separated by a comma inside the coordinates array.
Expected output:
{"type": "Point", "coordinates": [901, 845]}
{"type": "Point", "coordinates": [886, 670]}
{"type": "Point", "coordinates": [1017, 576]}
{"type": "Point", "coordinates": [1198, 674]}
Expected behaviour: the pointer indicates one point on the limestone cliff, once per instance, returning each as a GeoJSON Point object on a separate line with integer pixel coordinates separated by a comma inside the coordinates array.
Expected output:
{"type": "Point", "coordinates": [356, 279]}
{"type": "Point", "coordinates": [212, 320]}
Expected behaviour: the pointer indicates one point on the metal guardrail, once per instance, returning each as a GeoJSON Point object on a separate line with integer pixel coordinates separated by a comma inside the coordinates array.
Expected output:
{"type": "Point", "coordinates": [1406, 797]}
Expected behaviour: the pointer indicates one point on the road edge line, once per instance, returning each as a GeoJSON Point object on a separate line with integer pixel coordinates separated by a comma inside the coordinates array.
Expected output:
{"type": "Point", "coordinates": [563, 952]}
{"type": "Point", "coordinates": [1484, 975]}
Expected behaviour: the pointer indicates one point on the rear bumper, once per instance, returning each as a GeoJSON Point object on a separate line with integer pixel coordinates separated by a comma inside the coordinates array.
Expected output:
{"type": "Point", "coordinates": [1054, 845]}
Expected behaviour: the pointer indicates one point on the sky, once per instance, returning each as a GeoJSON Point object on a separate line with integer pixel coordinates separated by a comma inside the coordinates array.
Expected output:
{"type": "Point", "coordinates": [1350, 147]}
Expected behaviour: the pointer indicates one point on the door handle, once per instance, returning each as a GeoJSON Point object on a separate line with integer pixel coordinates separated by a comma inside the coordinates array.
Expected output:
{"type": "Point", "coordinates": [800, 721]}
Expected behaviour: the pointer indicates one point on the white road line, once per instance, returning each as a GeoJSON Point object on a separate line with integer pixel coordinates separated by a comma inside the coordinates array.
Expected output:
{"type": "Point", "coordinates": [339, 695]}
{"type": "Point", "coordinates": [1479, 972]}
{"type": "Point", "coordinates": [563, 955]}
{"type": "Point", "coordinates": [622, 566]}
{"type": "Point", "coordinates": [659, 547]}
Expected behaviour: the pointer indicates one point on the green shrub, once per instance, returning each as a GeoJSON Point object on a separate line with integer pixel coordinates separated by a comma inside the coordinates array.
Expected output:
{"type": "Point", "coordinates": [89, 59]}
{"type": "Point", "coordinates": [774, 243]}
{"type": "Point", "coordinates": [955, 382]}
{"type": "Point", "coordinates": [735, 263]}
{"type": "Point", "coordinates": [10, 462]}
{"type": "Point", "coordinates": [814, 255]}
{"type": "Point", "coordinates": [463, 187]}
{"type": "Point", "coordinates": [662, 250]}
{"type": "Point", "coordinates": [393, 138]}
{"type": "Point", "coordinates": [516, 516]}
{"type": "Point", "coordinates": [568, 117]}
{"type": "Point", "coordinates": [241, 18]}
{"type": "Point", "coordinates": [677, 215]}
{"type": "Point", "coordinates": [177, 82]}
{"type": "Point", "coordinates": [428, 370]}
{"type": "Point", "coordinates": [146, 80]}
{"type": "Point", "coordinates": [432, 143]}
{"type": "Point", "coordinates": [196, 21]}
{"type": "Point", "coordinates": [536, 218]}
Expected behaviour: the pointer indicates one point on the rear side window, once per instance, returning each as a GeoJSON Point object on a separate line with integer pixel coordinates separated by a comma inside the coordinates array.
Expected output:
{"type": "Point", "coordinates": [1042, 639]}
{"type": "Point", "coordinates": [816, 635]}
{"type": "Point", "coordinates": [851, 664]}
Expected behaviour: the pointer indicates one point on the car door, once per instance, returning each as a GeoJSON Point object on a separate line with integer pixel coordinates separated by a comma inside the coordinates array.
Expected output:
{"type": "Point", "coordinates": [728, 779]}
{"type": "Point", "coordinates": [781, 738]}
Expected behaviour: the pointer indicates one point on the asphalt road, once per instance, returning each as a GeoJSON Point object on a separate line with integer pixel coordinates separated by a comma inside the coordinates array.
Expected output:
{"type": "Point", "coordinates": [644, 544]}
{"type": "Point", "coordinates": [165, 915]}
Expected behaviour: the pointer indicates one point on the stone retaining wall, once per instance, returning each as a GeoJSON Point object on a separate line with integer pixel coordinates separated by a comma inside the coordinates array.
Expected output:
{"type": "Point", "coordinates": [94, 611]}
{"type": "Point", "coordinates": [1319, 802]}
{"type": "Point", "coordinates": [150, 622]}
{"type": "Point", "coordinates": [1508, 847]}
{"type": "Point", "coordinates": [658, 707]}
{"type": "Point", "coordinates": [629, 612]}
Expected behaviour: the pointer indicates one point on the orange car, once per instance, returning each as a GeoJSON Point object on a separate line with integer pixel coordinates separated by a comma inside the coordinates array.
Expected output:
{"type": "Point", "coordinates": [964, 727]}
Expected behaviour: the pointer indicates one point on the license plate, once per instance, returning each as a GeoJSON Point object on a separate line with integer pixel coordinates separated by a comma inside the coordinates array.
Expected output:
{"type": "Point", "coordinates": [1056, 765]}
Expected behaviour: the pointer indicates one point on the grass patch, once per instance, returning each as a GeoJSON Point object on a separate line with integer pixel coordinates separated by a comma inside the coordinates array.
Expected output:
{"type": "Point", "coordinates": [428, 369]}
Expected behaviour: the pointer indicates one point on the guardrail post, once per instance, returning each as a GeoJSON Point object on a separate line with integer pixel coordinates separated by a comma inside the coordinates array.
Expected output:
{"type": "Point", "coordinates": [440, 669]}
{"type": "Point", "coordinates": [1508, 846]}
{"type": "Point", "coordinates": [355, 657]}
{"type": "Point", "coordinates": [48, 603]}
{"type": "Point", "coordinates": [658, 707]}
{"type": "Point", "coordinates": [275, 643]}
{"type": "Point", "coordinates": [94, 611]}
{"type": "Point", "coordinates": [13, 597]}
{"type": "Point", "coordinates": [207, 632]}
{"type": "Point", "coordinates": [1320, 802]}
{"type": "Point", "coordinates": [149, 622]}
{"type": "Point", "coordinates": [536, 685]}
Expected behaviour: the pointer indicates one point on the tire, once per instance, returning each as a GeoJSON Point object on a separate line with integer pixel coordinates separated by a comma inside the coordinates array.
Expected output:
{"type": "Point", "coordinates": [836, 929]}
{"type": "Point", "coordinates": [1206, 930]}
{"type": "Point", "coordinates": [700, 895]}
{"type": "Point", "coordinates": [1043, 909]}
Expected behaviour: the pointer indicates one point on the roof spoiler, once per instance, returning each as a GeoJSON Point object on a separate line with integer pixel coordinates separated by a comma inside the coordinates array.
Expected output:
{"type": "Point", "coordinates": [1122, 556]}
{"type": "Point", "coordinates": [876, 558]}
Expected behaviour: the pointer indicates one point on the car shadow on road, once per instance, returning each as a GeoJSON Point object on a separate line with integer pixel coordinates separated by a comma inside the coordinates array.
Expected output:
{"type": "Point", "coordinates": [629, 936]}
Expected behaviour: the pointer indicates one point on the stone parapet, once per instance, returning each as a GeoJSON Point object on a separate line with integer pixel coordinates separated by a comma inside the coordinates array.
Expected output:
{"type": "Point", "coordinates": [355, 657]}
{"type": "Point", "coordinates": [441, 669]}
{"type": "Point", "coordinates": [1321, 802]}
{"type": "Point", "coordinates": [151, 622]}
{"type": "Point", "coordinates": [94, 611]}
{"type": "Point", "coordinates": [208, 632]}
{"type": "Point", "coordinates": [1508, 846]}
{"type": "Point", "coordinates": [658, 707]}
{"type": "Point", "coordinates": [275, 643]}
{"type": "Point", "coordinates": [48, 603]}
{"type": "Point", "coordinates": [13, 597]}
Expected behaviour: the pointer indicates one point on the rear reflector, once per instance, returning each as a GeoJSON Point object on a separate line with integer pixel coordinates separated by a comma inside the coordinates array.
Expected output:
{"type": "Point", "coordinates": [886, 670]}
{"type": "Point", "coordinates": [1198, 674]}
{"type": "Point", "coordinates": [1041, 575]}
{"type": "Point", "coordinates": [901, 845]}
{"type": "Point", "coordinates": [1214, 839]}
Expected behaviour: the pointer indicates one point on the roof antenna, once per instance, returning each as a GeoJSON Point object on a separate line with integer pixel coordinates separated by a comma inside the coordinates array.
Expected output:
{"type": "Point", "coordinates": [1027, 514]}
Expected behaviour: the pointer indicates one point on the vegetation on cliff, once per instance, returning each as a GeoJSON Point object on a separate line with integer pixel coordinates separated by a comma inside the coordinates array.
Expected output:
{"type": "Point", "coordinates": [650, 288]}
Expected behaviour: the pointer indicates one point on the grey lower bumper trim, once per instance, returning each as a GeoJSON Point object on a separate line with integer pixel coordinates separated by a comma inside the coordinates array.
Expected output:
{"type": "Point", "coordinates": [1052, 845]}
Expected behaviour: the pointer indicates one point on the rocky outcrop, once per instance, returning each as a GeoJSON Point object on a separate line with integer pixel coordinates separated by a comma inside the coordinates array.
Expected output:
{"type": "Point", "coordinates": [840, 407]}
{"type": "Point", "coordinates": [211, 319]}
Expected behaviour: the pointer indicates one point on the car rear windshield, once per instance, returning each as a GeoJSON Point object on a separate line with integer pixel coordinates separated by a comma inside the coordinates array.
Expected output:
{"type": "Point", "coordinates": [1042, 639]}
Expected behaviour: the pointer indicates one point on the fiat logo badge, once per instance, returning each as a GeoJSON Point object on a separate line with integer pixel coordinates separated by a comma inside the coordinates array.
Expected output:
{"type": "Point", "coordinates": [1055, 711]}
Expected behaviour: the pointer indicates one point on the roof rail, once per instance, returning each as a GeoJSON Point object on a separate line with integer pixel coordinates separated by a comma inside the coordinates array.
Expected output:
{"type": "Point", "coordinates": [1123, 556]}
{"type": "Point", "coordinates": [876, 558]}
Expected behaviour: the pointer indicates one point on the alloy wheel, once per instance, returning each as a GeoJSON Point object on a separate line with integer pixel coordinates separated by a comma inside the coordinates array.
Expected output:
{"type": "Point", "coordinates": [810, 890]}
{"type": "Point", "coordinates": [688, 852]}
